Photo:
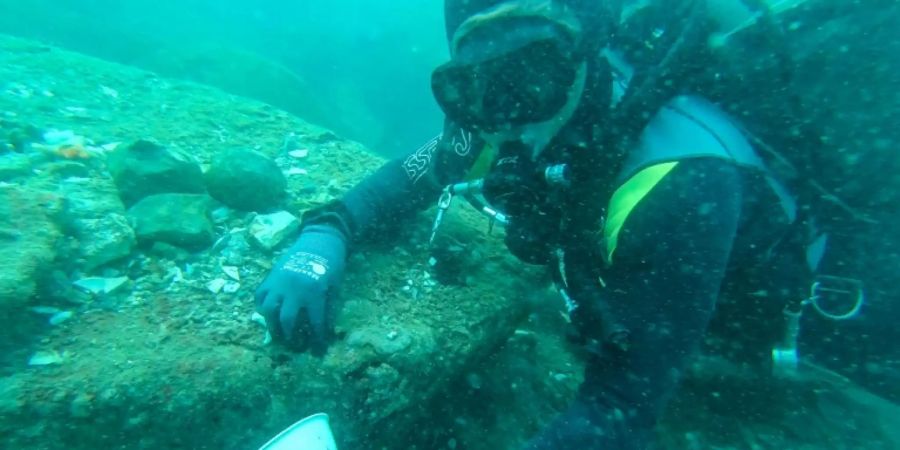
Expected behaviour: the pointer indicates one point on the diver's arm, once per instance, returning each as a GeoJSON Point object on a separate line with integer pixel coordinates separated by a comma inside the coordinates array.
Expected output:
{"type": "Point", "coordinates": [400, 188]}
{"type": "Point", "coordinates": [299, 292]}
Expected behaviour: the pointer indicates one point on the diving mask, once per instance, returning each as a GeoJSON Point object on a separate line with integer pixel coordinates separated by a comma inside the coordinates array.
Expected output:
{"type": "Point", "coordinates": [511, 66]}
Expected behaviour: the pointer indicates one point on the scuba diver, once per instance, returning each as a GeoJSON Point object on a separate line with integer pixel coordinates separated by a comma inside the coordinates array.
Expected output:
{"type": "Point", "coordinates": [588, 130]}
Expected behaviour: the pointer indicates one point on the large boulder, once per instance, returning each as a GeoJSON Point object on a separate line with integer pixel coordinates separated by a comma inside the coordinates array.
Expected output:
{"type": "Point", "coordinates": [177, 219]}
{"type": "Point", "coordinates": [146, 168]}
{"type": "Point", "coordinates": [246, 180]}
{"type": "Point", "coordinates": [28, 238]}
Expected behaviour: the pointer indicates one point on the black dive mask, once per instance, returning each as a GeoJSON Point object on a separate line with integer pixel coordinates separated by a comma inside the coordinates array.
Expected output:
{"type": "Point", "coordinates": [514, 72]}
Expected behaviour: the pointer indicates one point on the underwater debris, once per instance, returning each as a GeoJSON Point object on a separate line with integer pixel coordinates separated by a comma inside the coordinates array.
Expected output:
{"type": "Point", "coordinates": [221, 243]}
{"type": "Point", "coordinates": [45, 358]}
{"type": "Point", "coordinates": [299, 153]}
{"type": "Point", "coordinates": [73, 152]}
{"type": "Point", "coordinates": [215, 286]}
{"type": "Point", "coordinates": [100, 285]}
{"type": "Point", "coordinates": [49, 310]}
{"type": "Point", "coordinates": [106, 90]}
{"type": "Point", "coordinates": [296, 171]}
{"type": "Point", "coordinates": [110, 147]}
{"type": "Point", "coordinates": [60, 317]}
{"type": "Point", "coordinates": [75, 112]}
{"type": "Point", "coordinates": [232, 272]}
{"type": "Point", "coordinates": [236, 248]}
{"type": "Point", "coordinates": [259, 319]}
{"type": "Point", "coordinates": [61, 137]}
{"type": "Point", "coordinates": [231, 287]}
{"type": "Point", "coordinates": [174, 275]}
{"type": "Point", "coordinates": [66, 144]}
{"type": "Point", "coordinates": [270, 230]}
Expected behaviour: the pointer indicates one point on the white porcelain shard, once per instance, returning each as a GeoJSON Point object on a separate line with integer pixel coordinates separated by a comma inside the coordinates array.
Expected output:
{"type": "Point", "coordinates": [232, 272]}
{"type": "Point", "coordinates": [299, 153]}
{"type": "Point", "coordinates": [296, 171]}
{"type": "Point", "coordinates": [45, 358]}
{"type": "Point", "coordinates": [258, 318]}
{"type": "Point", "coordinates": [100, 285]}
{"type": "Point", "coordinates": [44, 309]}
{"type": "Point", "coordinates": [60, 317]}
{"type": "Point", "coordinates": [215, 286]}
{"type": "Point", "coordinates": [231, 287]}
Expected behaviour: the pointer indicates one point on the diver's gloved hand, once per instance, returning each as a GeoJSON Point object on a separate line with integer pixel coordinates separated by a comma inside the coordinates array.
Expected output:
{"type": "Point", "coordinates": [297, 296]}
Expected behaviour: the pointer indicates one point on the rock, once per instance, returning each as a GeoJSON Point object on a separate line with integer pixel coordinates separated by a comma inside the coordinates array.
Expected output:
{"type": "Point", "coordinates": [110, 238]}
{"type": "Point", "coordinates": [28, 239]}
{"type": "Point", "coordinates": [270, 230]}
{"type": "Point", "coordinates": [177, 219]}
{"type": "Point", "coordinates": [95, 216]}
{"type": "Point", "coordinates": [246, 180]}
{"type": "Point", "coordinates": [89, 198]}
{"type": "Point", "coordinates": [146, 168]}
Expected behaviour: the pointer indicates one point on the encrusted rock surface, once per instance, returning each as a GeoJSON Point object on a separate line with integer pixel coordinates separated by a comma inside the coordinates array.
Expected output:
{"type": "Point", "coordinates": [28, 239]}
{"type": "Point", "coordinates": [177, 219]}
{"type": "Point", "coordinates": [146, 168]}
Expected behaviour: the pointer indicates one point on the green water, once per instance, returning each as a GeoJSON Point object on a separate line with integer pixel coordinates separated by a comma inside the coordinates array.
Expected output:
{"type": "Point", "coordinates": [329, 62]}
{"type": "Point", "coordinates": [156, 158]}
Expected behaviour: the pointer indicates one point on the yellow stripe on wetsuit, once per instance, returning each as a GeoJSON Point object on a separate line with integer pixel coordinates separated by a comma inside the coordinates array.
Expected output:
{"type": "Point", "coordinates": [626, 198]}
{"type": "Point", "coordinates": [482, 164]}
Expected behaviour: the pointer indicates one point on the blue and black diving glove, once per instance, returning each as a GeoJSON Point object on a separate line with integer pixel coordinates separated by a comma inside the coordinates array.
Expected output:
{"type": "Point", "coordinates": [297, 297]}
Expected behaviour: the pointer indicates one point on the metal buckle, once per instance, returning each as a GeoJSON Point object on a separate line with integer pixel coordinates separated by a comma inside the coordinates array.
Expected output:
{"type": "Point", "coordinates": [443, 206]}
{"type": "Point", "coordinates": [834, 289]}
